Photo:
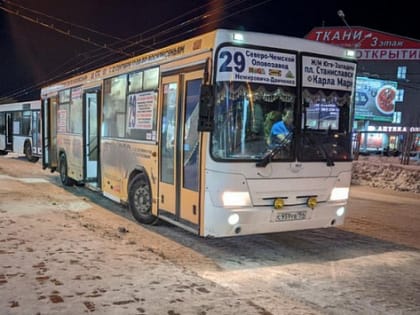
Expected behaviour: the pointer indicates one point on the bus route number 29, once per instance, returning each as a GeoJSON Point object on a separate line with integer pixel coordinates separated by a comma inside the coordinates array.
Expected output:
{"type": "Point", "coordinates": [230, 62]}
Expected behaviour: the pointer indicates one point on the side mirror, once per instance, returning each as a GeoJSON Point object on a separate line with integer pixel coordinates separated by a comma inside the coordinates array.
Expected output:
{"type": "Point", "coordinates": [206, 110]}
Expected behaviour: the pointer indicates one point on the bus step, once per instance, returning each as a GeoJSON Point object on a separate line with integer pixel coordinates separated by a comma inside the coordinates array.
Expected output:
{"type": "Point", "coordinates": [92, 186]}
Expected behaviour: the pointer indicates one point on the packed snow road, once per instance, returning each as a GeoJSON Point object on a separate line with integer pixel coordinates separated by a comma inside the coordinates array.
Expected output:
{"type": "Point", "coordinates": [368, 266]}
{"type": "Point", "coordinates": [70, 251]}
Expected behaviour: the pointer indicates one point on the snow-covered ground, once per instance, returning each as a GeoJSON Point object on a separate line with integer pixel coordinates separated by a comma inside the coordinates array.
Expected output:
{"type": "Point", "coordinates": [387, 173]}
{"type": "Point", "coordinates": [68, 250]}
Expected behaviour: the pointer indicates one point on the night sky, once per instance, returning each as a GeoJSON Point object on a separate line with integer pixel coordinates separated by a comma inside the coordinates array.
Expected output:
{"type": "Point", "coordinates": [31, 54]}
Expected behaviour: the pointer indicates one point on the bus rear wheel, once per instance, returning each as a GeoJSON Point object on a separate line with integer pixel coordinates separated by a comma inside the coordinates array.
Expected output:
{"type": "Point", "coordinates": [140, 200]}
{"type": "Point", "coordinates": [28, 153]}
{"type": "Point", "coordinates": [65, 180]}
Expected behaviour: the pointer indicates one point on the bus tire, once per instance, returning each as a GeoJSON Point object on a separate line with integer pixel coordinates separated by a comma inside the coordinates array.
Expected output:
{"type": "Point", "coordinates": [140, 200]}
{"type": "Point", "coordinates": [65, 180]}
{"type": "Point", "coordinates": [3, 152]}
{"type": "Point", "coordinates": [28, 153]}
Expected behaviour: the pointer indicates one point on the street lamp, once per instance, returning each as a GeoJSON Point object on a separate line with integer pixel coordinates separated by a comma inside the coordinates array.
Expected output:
{"type": "Point", "coordinates": [342, 16]}
{"type": "Point", "coordinates": [357, 45]}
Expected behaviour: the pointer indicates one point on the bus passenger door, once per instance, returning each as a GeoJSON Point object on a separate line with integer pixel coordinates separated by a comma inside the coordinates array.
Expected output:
{"type": "Point", "coordinates": [36, 133]}
{"type": "Point", "coordinates": [49, 133]}
{"type": "Point", "coordinates": [167, 143]}
{"type": "Point", "coordinates": [180, 148]}
{"type": "Point", "coordinates": [91, 136]}
{"type": "Point", "coordinates": [9, 132]}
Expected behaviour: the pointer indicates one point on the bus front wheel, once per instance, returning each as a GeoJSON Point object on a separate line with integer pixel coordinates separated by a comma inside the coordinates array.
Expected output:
{"type": "Point", "coordinates": [140, 200]}
{"type": "Point", "coordinates": [65, 180]}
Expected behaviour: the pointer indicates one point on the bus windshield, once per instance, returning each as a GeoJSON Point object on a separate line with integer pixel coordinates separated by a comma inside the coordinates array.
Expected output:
{"type": "Point", "coordinates": [245, 115]}
{"type": "Point", "coordinates": [253, 120]}
{"type": "Point", "coordinates": [325, 126]}
{"type": "Point", "coordinates": [270, 112]}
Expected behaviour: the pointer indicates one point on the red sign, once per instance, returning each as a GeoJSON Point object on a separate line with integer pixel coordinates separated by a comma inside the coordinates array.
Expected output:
{"type": "Point", "coordinates": [369, 44]}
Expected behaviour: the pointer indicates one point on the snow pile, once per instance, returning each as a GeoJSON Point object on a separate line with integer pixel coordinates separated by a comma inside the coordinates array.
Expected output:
{"type": "Point", "coordinates": [387, 173]}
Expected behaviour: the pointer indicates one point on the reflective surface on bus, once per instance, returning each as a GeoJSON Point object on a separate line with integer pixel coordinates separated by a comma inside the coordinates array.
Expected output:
{"type": "Point", "coordinates": [249, 119]}
{"type": "Point", "coordinates": [244, 117]}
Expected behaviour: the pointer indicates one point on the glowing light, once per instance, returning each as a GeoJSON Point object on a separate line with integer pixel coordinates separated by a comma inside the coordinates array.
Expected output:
{"type": "Point", "coordinates": [340, 211]}
{"type": "Point", "coordinates": [233, 219]}
{"type": "Point", "coordinates": [339, 193]}
{"type": "Point", "coordinates": [238, 36]}
{"type": "Point", "coordinates": [236, 199]}
{"type": "Point", "coordinates": [350, 53]}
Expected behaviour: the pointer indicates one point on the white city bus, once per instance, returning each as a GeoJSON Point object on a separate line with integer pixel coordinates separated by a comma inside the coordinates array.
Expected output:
{"type": "Point", "coordinates": [20, 129]}
{"type": "Point", "coordinates": [182, 134]}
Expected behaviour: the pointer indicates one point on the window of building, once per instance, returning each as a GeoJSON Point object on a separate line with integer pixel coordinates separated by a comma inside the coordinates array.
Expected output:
{"type": "Point", "coordinates": [402, 72]}
{"type": "Point", "coordinates": [400, 95]}
{"type": "Point", "coordinates": [396, 119]}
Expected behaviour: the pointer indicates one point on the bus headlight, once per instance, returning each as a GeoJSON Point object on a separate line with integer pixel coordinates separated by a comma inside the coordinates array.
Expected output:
{"type": "Point", "coordinates": [339, 193]}
{"type": "Point", "coordinates": [236, 199]}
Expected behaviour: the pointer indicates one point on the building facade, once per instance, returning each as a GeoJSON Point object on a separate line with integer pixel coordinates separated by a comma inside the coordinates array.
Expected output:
{"type": "Point", "coordinates": [387, 100]}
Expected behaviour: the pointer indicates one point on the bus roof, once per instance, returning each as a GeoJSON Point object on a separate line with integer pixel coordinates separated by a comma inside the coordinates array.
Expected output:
{"type": "Point", "coordinates": [194, 45]}
{"type": "Point", "coordinates": [28, 105]}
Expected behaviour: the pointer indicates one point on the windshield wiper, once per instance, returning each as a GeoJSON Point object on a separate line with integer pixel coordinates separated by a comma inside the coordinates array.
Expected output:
{"type": "Point", "coordinates": [271, 153]}
{"type": "Point", "coordinates": [268, 156]}
{"type": "Point", "coordinates": [328, 158]}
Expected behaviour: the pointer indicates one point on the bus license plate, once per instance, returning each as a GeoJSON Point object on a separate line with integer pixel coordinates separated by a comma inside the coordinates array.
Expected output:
{"type": "Point", "coordinates": [291, 216]}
